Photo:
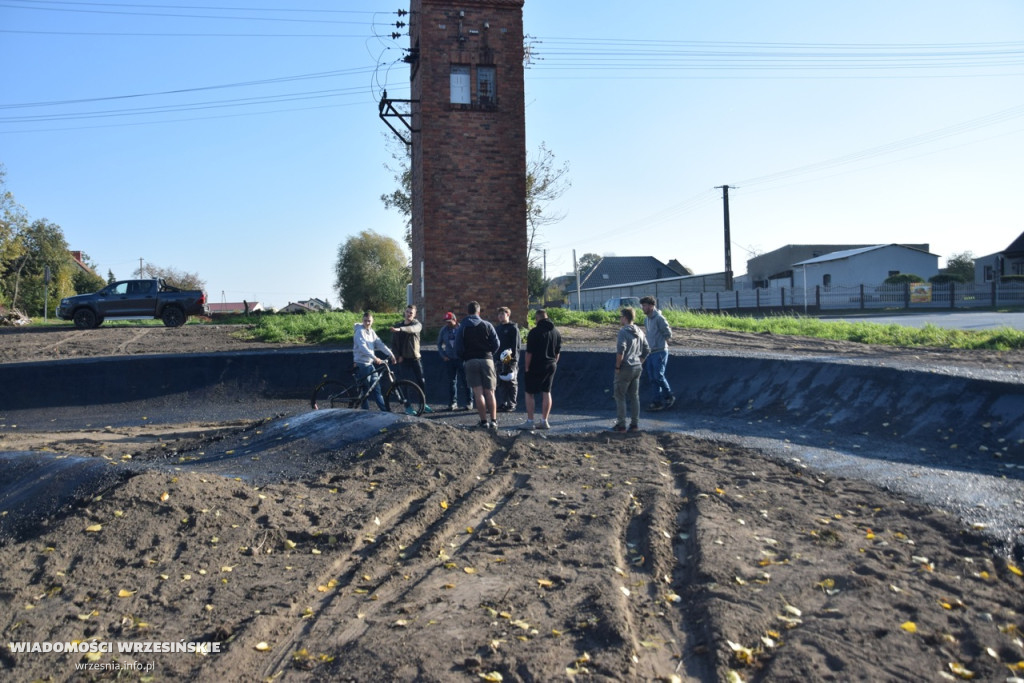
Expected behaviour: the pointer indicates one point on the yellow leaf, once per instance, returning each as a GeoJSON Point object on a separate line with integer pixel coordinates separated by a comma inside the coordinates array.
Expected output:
{"type": "Point", "coordinates": [961, 671]}
{"type": "Point", "coordinates": [909, 627]}
{"type": "Point", "coordinates": [491, 676]}
{"type": "Point", "coordinates": [444, 504]}
{"type": "Point", "coordinates": [93, 656]}
{"type": "Point", "coordinates": [544, 583]}
{"type": "Point", "coordinates": [94, 528]}
{"type": "Point", "coordinates": [164, 496]}
{"type": "Point", "coordinates": [469, 570]}
{"type": "Point", "coordinates": [262, 646]}
{"type": "Point", "coordinates": [1015, 570]}
{"type": "Point", "coordinates": [290, 543]}
{"type": "Point", "coordinates": [124, 593]}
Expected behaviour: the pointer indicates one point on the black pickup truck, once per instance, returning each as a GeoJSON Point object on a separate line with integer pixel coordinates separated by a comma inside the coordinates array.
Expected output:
{"type": "Point", "coordinates": [133, 300]}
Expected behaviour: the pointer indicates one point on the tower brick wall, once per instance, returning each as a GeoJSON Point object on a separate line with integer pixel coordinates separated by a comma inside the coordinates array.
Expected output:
{"type": "Point", "coordinates": [469, 237]}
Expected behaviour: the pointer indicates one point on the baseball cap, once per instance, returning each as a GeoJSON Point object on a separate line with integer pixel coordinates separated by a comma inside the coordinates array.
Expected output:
{"type": "Point", "coordinates": [449, 316]}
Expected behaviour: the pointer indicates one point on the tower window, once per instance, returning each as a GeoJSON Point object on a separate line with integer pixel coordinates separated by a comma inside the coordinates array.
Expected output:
{"type": "Point", "coordinates": [460, 84]}
{"type": "Point", "coordinates": [485, 86]}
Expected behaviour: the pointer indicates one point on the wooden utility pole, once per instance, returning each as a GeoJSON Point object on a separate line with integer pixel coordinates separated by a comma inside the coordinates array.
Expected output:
{"type": "Point", "coordinates": [728, 238]}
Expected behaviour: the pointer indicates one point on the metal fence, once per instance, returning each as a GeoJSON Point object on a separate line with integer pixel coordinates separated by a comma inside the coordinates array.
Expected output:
{"type": "Point", "coordinates": [854, 297]}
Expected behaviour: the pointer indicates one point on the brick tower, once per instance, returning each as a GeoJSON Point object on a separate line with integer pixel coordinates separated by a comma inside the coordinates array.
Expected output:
{"type": "Point", "coordinates": [469, 236]}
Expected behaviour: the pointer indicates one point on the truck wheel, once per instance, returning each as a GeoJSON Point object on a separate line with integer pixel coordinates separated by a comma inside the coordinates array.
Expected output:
{"type": "Point", "coordinates": [84, 319]}
{"type": "Point", "coordinates": [173, 316]}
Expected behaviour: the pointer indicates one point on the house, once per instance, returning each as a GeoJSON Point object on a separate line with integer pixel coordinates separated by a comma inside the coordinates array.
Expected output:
{"type": "Point", "coordinates": [79, 258]}
{"type": "Point", "coordinates": [864, 265]}
{"type": "Point", "coordinates": [628, 276]}
{"type": "Point", "coordinates": [775, 268]}
{"type": "Point", "coordinates": [616, 270]}
{"type": "Point", "coordinates": [235, 308]}
{"type": "Point", "coordinates": [307, 306]}
{"type": "Point", "coordinates": [1009, 261]}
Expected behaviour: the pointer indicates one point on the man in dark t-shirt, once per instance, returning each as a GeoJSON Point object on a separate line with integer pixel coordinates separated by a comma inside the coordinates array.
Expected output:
{"type": "Point", "coordinates": [543, 348]}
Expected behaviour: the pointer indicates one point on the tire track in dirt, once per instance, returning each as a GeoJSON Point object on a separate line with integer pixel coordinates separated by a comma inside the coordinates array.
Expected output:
{"type": "Point", "coordinates": [122, 348]}
{"type": "Point", "coordinates": [405, 529]}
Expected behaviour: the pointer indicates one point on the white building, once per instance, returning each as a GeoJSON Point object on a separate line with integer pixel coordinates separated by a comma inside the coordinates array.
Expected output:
{"type": "Point", "coordinates": [865, 265]}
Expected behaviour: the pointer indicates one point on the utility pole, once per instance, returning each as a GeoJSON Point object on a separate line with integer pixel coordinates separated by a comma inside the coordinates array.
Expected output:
{"type": "Point", "coordinates": [140, 267]}
{"type": "Point", "coordinates": [728, 237]}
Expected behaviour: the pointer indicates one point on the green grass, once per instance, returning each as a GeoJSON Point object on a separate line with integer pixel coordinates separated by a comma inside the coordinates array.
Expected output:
{"type": "Point", "coordinates": [322, 328]}
{"type": "Point", "coordinates": [1001, 339]}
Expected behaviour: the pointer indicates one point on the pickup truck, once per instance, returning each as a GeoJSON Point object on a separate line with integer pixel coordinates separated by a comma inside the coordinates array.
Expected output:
{"type": "Point", "coordinates": [133, 300]}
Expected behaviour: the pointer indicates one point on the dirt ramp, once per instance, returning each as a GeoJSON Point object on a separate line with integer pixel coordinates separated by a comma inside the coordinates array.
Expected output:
{"type": "Point", "coordinates": [36, 487]}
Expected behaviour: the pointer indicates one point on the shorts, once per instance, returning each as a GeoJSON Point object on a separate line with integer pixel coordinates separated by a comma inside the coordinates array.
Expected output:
{"type": "Point", "coordinates": [540, 382]}
{"type": "Point", "coordinates": [480, 373]}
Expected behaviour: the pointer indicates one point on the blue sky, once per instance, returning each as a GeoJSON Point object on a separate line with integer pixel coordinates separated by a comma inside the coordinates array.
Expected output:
{"type": "Point", "coordinates": [240, 140]}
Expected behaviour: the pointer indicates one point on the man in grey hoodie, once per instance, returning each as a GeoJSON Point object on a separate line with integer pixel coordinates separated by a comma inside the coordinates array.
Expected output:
{"type": "Point", "coordinates": [631, 350]}
{"type": "Point", "coordinates": [658, 334]}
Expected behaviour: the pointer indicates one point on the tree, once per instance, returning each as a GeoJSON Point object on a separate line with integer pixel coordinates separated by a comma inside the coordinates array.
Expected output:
{"type": "Point", "coordinates": [586, 263]}
{"type": "Point", "coordinates": [961, 264]}
{"type": "Point", "coordinates": [536, 285]}
{"type": "Point", "coordinates": [401, 198]}
{"type": "Point", "coordinates": [42, 247]}
{"type": "Point", "coordinates": [545, 183]}
{"type": "Point", "coordinates": [13, 222]}
{"type": "Point", "coordinates": [371, 273]}
{"type": "Point", "coordinates": [174, 277]}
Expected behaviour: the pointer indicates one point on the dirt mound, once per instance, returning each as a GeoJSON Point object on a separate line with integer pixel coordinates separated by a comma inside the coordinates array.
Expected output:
{"type": "Point", "coordinates": [430, 552]}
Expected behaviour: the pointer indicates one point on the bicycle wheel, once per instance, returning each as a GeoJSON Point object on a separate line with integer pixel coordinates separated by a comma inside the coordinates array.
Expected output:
{"type": "Point", "coordinates": [334, 394]}
{"type": "Point", "coordinates": [405, 397]}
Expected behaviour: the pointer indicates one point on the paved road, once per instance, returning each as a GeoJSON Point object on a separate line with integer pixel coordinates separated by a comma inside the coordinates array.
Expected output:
{"type": "Point", "coordinates": [960, 320]}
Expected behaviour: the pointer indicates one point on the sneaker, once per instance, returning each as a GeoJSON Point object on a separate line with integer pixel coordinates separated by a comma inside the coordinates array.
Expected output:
{"type": "Point", "coordinates": [409, 410]}
{"type": "Point", "coordinates": [543, 424]}
{"type": "Point", "coordinates": [528, 425]}
{"type": "Point", "coordinates": [669, 402]}
{"type": "Point", "coordinates": [453, 407]}
{"type": "Point", "coordinates": [427, 409]}
{"type": "Point", "coordinates": [654, 407]}
{"type": "Point", "coordinates": [484, 424]}
{"type": "Point", "coordinates": [619, 428]}
{"type": "Point", "coordinates": [493, 425]}
{"type": "Point", "coordinates": [634, 428]}
{"type": "Point", "coordinates": [464, 408]}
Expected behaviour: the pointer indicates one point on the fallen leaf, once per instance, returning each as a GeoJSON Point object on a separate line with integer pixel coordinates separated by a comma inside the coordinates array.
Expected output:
{"type": "Point", "coordinates": [262, 646]}
{"type": "Point", "coordinates": [125, 593]}
{"type": "Point", "coordinates": [909, 627]}
{"type": "Point", "coordinates": [94, 528]}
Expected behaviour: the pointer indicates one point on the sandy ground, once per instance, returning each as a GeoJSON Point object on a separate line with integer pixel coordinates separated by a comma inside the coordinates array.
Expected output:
{"type": "Point", "coordinates": [434, 552]}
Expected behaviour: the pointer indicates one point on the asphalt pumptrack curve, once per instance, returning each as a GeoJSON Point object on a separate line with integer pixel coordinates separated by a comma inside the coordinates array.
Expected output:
{"type": "Point", "coordinates": [950, 437]}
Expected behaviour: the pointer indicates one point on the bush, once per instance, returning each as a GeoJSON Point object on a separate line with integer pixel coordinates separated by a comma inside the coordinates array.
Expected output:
{"type": "Point", "coordinates": [903, 279]}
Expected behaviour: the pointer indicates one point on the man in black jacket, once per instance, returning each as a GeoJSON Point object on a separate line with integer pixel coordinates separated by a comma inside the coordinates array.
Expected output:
{"type": "Point", "coordinates": [543, 348]}
{"type": "Point", "coordinates": [475, 343]}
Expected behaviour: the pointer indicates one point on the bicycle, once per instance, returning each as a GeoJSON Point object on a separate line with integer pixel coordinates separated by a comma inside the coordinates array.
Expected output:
{"type": "Point", "coordinates": [400, 396]}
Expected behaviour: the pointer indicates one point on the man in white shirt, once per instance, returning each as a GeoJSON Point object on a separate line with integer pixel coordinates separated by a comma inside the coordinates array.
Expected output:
{"type": "Point", "coordinates": [365, 344]}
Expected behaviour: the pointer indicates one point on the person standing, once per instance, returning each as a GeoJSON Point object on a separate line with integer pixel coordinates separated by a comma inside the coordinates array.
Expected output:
{"type": "Point", "coordinates": [658, 334]}
{"type": "Point", "coordinates": [543, 348]}
{"type": "Point", "coordinates": [631, 350]}
{"type": "Point", "coordinates": [506, 361]}
{"type": "Point", "coordinates": [365, 345]}
{"type": "Point", "coordinates": [453, 364]}
{"type": "Point", "coordinates": [405, 342]}
{"type": "Point", "coordinates": [476, 342]}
